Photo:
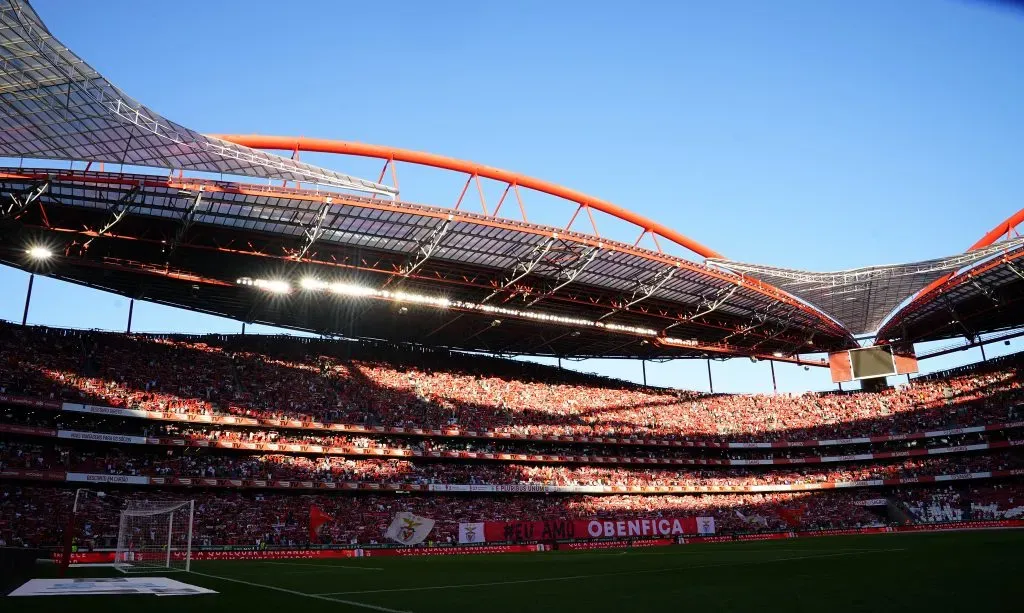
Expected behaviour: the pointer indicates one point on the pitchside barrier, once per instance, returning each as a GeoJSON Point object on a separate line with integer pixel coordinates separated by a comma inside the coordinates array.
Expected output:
{"type": "Point", "coordinates": [107, 557]}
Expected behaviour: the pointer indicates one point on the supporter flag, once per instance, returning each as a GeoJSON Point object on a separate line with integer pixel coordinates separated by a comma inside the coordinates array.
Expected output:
{"type": "Point", "coordinates": [317, 518]}
{"type": "Point", "coordinates": [793, 517]}
{"type": "Point", "coordinates": [471, 533]}
{"type": "Point", "coordinates": [705, 525]}
{"type": "Point", "coordinates": [409, 529]}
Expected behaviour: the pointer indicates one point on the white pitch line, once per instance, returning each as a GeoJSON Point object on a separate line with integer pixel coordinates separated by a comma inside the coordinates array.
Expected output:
{"type": "Point", "coordinates": [326, 566]}
{"type": "Point", "coordinates": [616, 574]}
{"type": "Point", "coordinates": [361, 605]}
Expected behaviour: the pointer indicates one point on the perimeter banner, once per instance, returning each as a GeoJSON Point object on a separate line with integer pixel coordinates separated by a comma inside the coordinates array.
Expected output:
{"type": "Point", "coordinates": [564, 529]}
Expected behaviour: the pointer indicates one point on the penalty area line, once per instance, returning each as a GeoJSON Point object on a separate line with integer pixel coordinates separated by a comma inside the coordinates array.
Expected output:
{"type": "Point", "coordinates": [599, 575]}
{"type": "Point", "coordinates": [352, 603]}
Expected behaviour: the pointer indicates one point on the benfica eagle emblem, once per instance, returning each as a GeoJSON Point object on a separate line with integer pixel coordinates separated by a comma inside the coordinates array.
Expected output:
{"type": "Point", "coordinates": [408, 529]}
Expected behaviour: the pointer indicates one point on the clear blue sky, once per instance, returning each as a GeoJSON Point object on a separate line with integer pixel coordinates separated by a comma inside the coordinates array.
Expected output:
{"type": "Point", "coordinates": [815, 134]}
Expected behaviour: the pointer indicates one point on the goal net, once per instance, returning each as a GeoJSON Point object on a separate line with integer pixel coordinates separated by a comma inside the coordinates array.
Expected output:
{"type": "Point", "coordinates": [155, 536]}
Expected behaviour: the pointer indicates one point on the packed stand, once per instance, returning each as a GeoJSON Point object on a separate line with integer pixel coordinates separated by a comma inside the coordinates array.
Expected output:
{"type": "Point", "coordinates": [177, 462]}
{"type": "Point", "coordinates": [161, 432]}
{"type": "Point", "coordinates": [271, 377]}
{"type": "Point", "coordinates": [36, 515]}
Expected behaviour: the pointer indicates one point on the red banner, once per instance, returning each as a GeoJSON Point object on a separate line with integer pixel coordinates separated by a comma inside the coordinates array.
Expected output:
{"type": "Point", "coordinates": [99, 557]}
{"type": "Point", "coordinates": [564, 529]}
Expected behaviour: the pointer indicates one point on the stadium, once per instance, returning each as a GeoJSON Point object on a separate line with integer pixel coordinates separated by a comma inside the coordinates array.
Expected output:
{"type": "Point", "coordinates": [402, 452]}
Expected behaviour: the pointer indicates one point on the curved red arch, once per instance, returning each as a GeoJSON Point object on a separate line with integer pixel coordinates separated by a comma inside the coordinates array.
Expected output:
{"type": "Point", "coordinates": [321, 145]}
{"type": "Point", "coordinates": [999, 231]}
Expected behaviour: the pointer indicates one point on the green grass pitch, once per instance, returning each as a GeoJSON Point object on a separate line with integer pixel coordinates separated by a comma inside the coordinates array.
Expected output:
{"type": "Point", "coordinates": [967, 571]}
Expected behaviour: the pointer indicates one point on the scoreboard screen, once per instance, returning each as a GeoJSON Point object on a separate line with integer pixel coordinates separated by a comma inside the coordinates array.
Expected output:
{"type": "Point", "coordinates": [872, 362]}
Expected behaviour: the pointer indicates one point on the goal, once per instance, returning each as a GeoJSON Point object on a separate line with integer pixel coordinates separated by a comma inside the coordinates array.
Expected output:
{"type": "Point", "coordinates": [155, 537]}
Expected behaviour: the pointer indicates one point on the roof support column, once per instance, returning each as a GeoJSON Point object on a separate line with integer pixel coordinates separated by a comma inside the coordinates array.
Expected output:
{"type": "Point", "coordinates": [711, 382]}
{"type": "Point", "coordinates": [28, 299]}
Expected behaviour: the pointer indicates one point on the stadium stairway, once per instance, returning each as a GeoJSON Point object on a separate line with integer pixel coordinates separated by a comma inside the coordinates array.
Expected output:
{"type": "Point", "coordinates": [898, 512]}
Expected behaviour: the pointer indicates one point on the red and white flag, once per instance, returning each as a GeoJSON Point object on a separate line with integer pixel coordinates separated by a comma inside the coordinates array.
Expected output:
{"type": "Point", "coordinates": [317, 518]}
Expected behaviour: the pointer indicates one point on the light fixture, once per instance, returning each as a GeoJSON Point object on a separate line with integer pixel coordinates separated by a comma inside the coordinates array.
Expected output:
{"type": "Point", "coordinates": [312, 283]}
{"type": "Point", "coordinates": [777, 354]}
{"type": "Point", "coordinates": [273, 286]}
{"type": "Point", "coordinates": [39, 253]}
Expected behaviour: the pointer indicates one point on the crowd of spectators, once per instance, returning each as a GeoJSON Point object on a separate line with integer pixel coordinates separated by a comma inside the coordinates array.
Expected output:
{"type": "Point", "coordinates": [177, 462]}
{"type": "Point", "coordinates": [37, 515]}
{"type": "Point", "coordinates": [360, 444]}
{"type": "Point", "coordinates": [951, 503]}
{"type": "Point", "coordinates": [308, 380]}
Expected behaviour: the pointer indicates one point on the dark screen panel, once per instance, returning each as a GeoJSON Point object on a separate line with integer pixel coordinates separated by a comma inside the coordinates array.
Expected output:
{"type": "Point", "coordinates": [872, 362]}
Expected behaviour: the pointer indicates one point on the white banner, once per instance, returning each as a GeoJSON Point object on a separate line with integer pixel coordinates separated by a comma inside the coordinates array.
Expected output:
{"type": "Point", "coordinates": [409, 529]}
{"type": "Point", "coordinates": [90, 408]}
{"type": "Point", "coordinates": [100, 436]}
{"type": "Point", "coordinates": [874, 502]}
{"type": "Point", "coordinates": [471, 533]}
{"type": "Point", "coordinates": [705, 525]}
{"type": "Point", "coordinates": [98, 478]}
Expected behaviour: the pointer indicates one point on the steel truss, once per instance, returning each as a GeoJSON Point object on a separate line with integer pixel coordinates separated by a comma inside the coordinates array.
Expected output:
{"type": "Point", "coordinates": [643, 290]}
{"type": "Point", "coordinates": [117, 211]}
{"type": "Point", "coordinates": [708, 305]}
{"type": "Point", "coordinates": [84, 117]}
{"type": "Point", "coordinates": [312, 232]}
{"type": "Point", "coordinates": [524, 266]}
{"type": "Point", "coordinates": [1016, 269]}
{"type": "Point", "coordinates": [986, 291]}
{"type": "Point", "coordinates": [20, 201]}
{"type": "Point", "coordinates": [425, 248]}
{"type": "Point", "coordinates": [568, 273]}
{"type": "Point", "coordinates": [187, 218]}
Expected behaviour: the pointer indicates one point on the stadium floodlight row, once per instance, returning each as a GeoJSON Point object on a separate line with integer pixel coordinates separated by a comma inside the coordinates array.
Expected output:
{"type": "Point", "coordinates": [430, 275]}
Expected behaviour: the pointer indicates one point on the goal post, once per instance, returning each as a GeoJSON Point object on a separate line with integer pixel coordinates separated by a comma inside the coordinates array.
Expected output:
{"type": "Point", "coordinates": [155, 537]}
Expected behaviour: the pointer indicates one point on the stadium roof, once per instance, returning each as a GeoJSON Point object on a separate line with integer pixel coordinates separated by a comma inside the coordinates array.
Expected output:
{"type": "Point", "coordinates": [982, 299]}
{"type": "Point", "coordinates": [861, 298]}
{"type": "Point", "coordinates": [55, 106]}
{"type": "Point", "coordinates": [345, 261]}
{"type": "Point", "coordinates": [397, 271]}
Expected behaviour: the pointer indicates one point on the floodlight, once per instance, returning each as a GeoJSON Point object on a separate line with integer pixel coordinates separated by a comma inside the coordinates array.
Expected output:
{"type": "Point", "coordinates": [312, 283]}
{"type": "Point", "coordinates": [273, 286]}
{"type": "Point", "coordinates": [39, 253]}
